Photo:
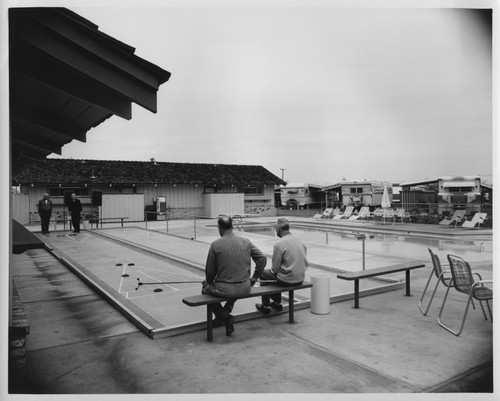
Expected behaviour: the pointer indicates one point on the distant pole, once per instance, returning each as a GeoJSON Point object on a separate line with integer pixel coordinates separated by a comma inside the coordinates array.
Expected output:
{"type": "Point", "coordinates": [283, 173]}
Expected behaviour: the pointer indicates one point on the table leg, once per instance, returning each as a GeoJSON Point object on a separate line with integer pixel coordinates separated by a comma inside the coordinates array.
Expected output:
{"type": "Point", "coordinates": [209, 323]}
{"type": "Point", "coordinates": [356, 294]}
{"type": "Point", "coordinates": [291, 306]}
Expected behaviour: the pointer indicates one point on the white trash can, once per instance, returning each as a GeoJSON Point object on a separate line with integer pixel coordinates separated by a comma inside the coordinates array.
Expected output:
{"type": "Point", "coordinates": [85, 224]}
{"type": "Point", "coordinates": [320, 294]}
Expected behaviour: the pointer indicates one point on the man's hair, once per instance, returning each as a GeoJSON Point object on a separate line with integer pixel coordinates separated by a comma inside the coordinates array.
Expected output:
{"type": "Point", "coordinates": [225, 222]}
{"type": "Point", "coordinates": [283, 224]}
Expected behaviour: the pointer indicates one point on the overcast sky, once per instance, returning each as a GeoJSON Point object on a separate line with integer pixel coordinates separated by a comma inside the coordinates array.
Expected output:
{"type": "Point", "coordinates": [324, 93]}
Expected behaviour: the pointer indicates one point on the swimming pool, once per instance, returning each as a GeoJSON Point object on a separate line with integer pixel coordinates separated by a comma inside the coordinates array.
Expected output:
{"type": "Point", "coordinates": [474, 251]}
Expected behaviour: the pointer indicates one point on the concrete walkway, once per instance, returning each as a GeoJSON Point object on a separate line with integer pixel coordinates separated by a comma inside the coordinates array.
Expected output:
{"type": "Point", "coordinates": [80, 344]}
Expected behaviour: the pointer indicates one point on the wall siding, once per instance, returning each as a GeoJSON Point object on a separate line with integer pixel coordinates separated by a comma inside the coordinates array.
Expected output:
{"type": "Point", "coordinates": [183, 201]}
{"type": "Point", "coordinates": [123, 205]}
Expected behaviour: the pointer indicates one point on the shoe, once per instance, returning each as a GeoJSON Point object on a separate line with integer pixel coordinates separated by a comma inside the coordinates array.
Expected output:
{"type": "Point", "coordinates": [229, 325]}
{"type": "Point", "coordinates": [264, 309]}
{"type": "Point", "coordinates": [276, 306]}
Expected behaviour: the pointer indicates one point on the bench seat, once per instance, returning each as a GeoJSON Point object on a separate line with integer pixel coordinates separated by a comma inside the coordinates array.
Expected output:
{"type": "Point", "coordinates": [380, 271]}
{"type": "Point", "coordinates": [209, 300]}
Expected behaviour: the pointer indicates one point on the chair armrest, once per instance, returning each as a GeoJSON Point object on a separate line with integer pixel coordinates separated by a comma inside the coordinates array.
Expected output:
{"type": "Point", "coordinates": [483, 282]}
{"type": "Point", "coordinates": [477, 274]}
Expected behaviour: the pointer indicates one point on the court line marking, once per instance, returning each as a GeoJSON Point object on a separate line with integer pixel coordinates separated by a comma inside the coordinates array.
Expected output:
{"type": "Point", "coordinates": [140, 272]}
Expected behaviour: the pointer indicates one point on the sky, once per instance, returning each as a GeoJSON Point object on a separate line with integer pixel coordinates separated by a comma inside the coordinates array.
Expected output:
{"type": "Point", "coordinates": [314, 94]}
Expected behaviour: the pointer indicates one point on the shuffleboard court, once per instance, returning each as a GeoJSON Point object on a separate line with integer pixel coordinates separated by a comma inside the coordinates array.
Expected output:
{"type": "Point", "coordinates": [146, 275]}
{"type": "Point", "coordinates": [117, 269]}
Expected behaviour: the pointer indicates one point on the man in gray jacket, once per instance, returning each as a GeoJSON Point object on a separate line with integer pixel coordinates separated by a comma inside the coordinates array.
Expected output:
{"type": "Point", "coordinates": [227, 270]}
{"type": "Point", "coordinates": [288, 268]}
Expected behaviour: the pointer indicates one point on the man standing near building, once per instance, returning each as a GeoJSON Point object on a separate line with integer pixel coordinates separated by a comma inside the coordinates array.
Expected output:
{"type": "Point", "coordinates": [75, 208]}
{"type": "Point", "coordinates": [45, 211]}
{"type": "Point", "coordinates": [288, 268]}
{"type": "Point", "coordinates": [228, 270]}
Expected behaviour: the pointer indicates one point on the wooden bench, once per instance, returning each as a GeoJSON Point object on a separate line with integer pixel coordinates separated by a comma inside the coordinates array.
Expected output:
{"type": "Point", "coordinates": [209, 300]}
{"type": "Point", "coordinates": [361, 274]}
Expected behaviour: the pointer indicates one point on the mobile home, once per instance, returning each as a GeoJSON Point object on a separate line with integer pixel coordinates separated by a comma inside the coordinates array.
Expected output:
{"type": "Point", "coordinates": [300, 196]}
{"type": "Point", "coordinates": [364, 193]}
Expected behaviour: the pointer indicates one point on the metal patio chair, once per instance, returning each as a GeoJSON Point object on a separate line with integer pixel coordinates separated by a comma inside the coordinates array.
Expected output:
{"type": "Point", "coordinates": [402, 214]}
{"type": "Point", "coordinates": [440, 275]}
{"type": "Point", "coordinates": [463, 281]}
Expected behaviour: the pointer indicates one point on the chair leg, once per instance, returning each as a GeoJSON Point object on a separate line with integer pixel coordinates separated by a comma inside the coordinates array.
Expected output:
{"type": "Point", "coordinates": [489, 310]}
{"type": "Point", "coordinates": [420, 303]}
{"type": "Point", "coordinates": [482, 308]}
{"type": "Point", "coordinates": [457, 333]}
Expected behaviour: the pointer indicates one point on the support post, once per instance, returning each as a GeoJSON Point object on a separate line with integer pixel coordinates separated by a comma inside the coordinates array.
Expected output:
{"type": "Point", "coordinates": [291, 307]}
{"type": "Point", "coordinates": [209, 323]}
{"type": "Point", "coordinates": [408, 283]}
{"type": "Point", "coordinates": [356, 294]}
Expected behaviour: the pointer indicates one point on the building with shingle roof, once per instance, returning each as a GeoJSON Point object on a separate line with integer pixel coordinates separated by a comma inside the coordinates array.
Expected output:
{"type": "Point", "coordinates": [186, 187]}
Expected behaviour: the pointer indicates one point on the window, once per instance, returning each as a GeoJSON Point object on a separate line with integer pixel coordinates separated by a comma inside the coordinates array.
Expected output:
{"type": "Point", "coordinates": [252, 190]}
{"type": "Point", "coordinates": [461, 189]}
{"type": "Point", "coordinates": [60, 191]}
{"type": "Point", "coordinates": [127, 189]}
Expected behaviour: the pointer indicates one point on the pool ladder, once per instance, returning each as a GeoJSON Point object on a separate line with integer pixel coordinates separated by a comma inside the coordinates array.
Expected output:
{"type": "Point", "coordinates": [238, 222]}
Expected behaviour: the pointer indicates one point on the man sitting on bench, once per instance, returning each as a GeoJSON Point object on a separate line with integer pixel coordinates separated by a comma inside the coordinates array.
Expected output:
{"type": "Point", "coordinates": [227, 270]}
{"type": "Point", "coordinates": [289, 265]}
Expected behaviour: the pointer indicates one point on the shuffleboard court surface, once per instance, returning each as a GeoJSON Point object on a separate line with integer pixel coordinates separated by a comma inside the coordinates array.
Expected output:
{"type": "Point", "coordinates": [116, 267]}
{"type": "Point", "coordinates": [115, 259]}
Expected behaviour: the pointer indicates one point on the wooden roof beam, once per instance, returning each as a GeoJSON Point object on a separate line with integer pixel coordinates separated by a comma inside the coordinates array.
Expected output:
{"type": "Point", "coordinates": [88, 64]}
{"type": "Point", "coordinates": [38, 66]}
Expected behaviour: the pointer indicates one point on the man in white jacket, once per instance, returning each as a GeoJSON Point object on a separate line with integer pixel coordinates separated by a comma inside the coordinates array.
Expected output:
{"type": "Point", "coordinates": [288, 266]}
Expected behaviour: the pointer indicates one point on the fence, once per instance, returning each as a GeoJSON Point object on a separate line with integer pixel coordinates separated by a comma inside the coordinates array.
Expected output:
{"type": "Point", "coordinates": [438, 210]}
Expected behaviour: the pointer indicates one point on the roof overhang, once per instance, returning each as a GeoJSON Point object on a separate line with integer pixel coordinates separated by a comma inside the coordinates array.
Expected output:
{"type": "Point", "coordinates": [67, 77]}
{"type": "Point", "coordinates": [458, 184]}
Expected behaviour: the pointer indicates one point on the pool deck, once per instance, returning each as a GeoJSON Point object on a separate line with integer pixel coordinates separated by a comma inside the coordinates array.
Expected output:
{"type": "Point", "coordinates": [81, 344]}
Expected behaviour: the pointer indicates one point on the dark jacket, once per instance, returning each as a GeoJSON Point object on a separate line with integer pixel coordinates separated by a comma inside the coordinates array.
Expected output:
{"type": "Point", "coordinates": [44, 206]}
{"type": "Point", "coordinates": [75, 207]}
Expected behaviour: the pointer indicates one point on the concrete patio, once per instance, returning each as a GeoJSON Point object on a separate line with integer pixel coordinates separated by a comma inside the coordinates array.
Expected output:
{"type": "Point", "coordinates": [80, 344]}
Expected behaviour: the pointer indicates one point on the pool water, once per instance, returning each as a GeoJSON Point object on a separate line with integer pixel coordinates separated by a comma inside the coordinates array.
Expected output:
{"type": "Point", "coordinates": [480, 251]}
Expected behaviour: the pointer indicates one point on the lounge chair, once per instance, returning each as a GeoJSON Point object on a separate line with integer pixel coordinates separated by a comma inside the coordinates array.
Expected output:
{"type": "Point", "coordinates": [463, 281]}
{"type": "Point", "coordinates": [477, 219]}
{"type": "Point", "coordinates": [457, 217]}
{"type": "Point", "coordinates": [347, 213]}
{"type": "Point", "coordinates": [401, 214]}
{"type": "Point", "coordinates": [378, 214]}
{"type": "Point", "coordinates": [363, 213]}
{"type": "Point", "coordinates": [366, 214]}
{"type": "Point", "coordinates": [389, 214]}
{"type": "Point", "coordinates": [325, 215]}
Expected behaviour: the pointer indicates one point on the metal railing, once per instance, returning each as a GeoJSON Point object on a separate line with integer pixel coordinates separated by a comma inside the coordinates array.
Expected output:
{"type": "Point", "coordinates": [147, 213]}
{"type": "Point", "coordinates": [421, 208]}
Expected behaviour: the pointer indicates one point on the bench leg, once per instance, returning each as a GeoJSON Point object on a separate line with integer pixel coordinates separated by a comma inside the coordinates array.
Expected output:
{"type": "Point", "coordinates": [356, 294]}
{"type": "Point", "coordinates": [408, 283]}
{"type": "Point", "coordinates": [291, 307]}
{"type": "Point", "coordinates": [209, 323]}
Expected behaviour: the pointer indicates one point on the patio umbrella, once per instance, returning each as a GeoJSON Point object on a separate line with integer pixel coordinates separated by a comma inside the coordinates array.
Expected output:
{"type": "Point", "coordinates": [386, 201]}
